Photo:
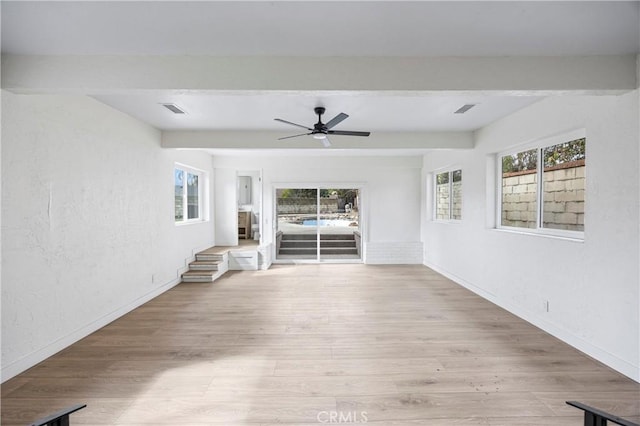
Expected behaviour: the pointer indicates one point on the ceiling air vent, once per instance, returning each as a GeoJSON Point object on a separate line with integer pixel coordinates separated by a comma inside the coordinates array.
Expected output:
{"type": "Point", "coordinates": [173, 108]}
{"type": "Point", "coordinates": [464, 108]}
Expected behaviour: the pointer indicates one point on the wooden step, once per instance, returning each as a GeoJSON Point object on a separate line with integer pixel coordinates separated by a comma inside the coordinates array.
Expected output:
{"type": "Point", "coordinates": [306, 237]}
{"type": "Point", "coordinates": [337, 243]}
{"type": "Point", "coordinates": [338, 250]}
{"type": "Point", "coordinates": [298, 244]}
{"type": "Point", "coordinates": [312, 244]}
{"type": "Point", "coordinates": [204, 265]}
{"type": "Point", "coordinates": [323, 251]}
{"type": "Point", "coordinates": [198, 276]}
{"type": "Point", "coordinates": [297, 251]}
{"type": "Point", "coordinates": [337, 237]}
{"type": "Point", "coordinates": [312, 237]}
{"type": "Point", "coordinates": [209, 257]}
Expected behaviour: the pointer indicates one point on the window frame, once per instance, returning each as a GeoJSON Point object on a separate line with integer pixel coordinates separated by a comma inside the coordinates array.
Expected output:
{"type": "Point", "coordinates": [539, 145]}
{"type": "Point", "coordinates": [202, 198]}
{"type": "Point", "coordinates": [450, 170]}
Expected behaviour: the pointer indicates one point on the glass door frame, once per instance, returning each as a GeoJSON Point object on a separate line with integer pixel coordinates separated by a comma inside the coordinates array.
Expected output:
{"type": "Point", "coordinates": [362, 214]}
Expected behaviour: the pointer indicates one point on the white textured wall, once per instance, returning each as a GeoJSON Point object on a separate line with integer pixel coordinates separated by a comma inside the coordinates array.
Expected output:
{"type": "Point", "coordinates": [390, 196]}
{"type": "Point", "coordinates": [87, 231]}
{"type": "Point", "coordinates": [593, 287]}
{"type": "Point", "coordinates": [226, 207]}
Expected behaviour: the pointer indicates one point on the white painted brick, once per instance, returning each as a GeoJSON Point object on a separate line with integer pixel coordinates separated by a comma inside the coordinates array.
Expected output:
{"type": "Point", "coordinates": [394, 253]}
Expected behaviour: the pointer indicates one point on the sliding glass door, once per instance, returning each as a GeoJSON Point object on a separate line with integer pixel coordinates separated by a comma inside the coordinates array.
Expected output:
{"type": "Point", "coordinates": [321, 224]}
{"type": "Point", "coordinates": [296, 211]}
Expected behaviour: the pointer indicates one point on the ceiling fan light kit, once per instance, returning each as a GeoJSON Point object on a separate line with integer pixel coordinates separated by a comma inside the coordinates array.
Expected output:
{"type": "Point", "coordinates": [321, 130]}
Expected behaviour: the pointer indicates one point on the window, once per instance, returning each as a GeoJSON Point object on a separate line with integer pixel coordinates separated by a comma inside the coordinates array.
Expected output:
{"type": "Point", "coordinates": [188, 194]}
{"type": "Point", "coordinates": [448, 195]}
{"type": "Point", "coordinates": [542, 187]}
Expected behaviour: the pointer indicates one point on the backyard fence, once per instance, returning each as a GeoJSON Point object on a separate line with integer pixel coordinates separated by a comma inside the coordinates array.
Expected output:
{"type": "Point", "coordinates": [295, 205]}
{"type": "Point", "coordinates": [563, 197]}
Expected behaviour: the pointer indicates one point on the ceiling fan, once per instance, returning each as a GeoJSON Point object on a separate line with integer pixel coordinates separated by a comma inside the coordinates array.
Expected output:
{"type": "Point", "coordinates": [321, 131]}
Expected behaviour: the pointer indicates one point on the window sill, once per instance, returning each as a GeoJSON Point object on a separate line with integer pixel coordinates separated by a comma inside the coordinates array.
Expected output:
{"type": "Point", "coordinates": [573, 239]}
{"type": "Point", "coordinates": [191, 222]}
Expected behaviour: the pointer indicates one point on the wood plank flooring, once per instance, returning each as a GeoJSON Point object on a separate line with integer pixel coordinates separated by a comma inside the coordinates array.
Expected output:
{"type": "Point", "coordinates": [389, 345]}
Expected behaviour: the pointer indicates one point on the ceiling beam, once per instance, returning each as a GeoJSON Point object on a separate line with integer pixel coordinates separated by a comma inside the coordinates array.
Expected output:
{"type": "Point", "coordinates": [512, 75]}
{"type": "Point", "coordinates": [244, 140]}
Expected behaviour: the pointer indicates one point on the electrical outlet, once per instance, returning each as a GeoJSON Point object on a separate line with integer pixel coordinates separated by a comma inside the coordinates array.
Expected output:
{"type": "Point", "coordinates": [546, 306]}
{"type": "Point", "coordinates": [153, 278]}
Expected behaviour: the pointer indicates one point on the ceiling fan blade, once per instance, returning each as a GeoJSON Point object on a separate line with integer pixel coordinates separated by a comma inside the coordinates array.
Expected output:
{"type": "Point", "coordinates": [335, 120]}
{"type": "Point", "coordinates": [293, 124]}
{"type": "Point", "coordinates": [326, 142]}
{"type": "Point", "coordinates": [294, 136]}
{"type": "Point", "coordinates": [348, 133]}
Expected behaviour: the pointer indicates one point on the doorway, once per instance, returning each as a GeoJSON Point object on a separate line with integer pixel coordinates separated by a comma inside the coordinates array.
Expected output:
{"type": "Point", "coordinates": [318, 224]}
{"type": "Point", "coordinates": [249, 202]}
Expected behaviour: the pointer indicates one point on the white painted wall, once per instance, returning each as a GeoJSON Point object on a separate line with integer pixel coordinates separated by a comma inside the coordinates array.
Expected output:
{"type": "Point", "coordinates": [593, 287]}
{"type": "Point", "coordinates": [226, 207]}
{"type": "Point", "coordinates": [88, 231]}
{"type": "Point", "coordinates": [391, 195]}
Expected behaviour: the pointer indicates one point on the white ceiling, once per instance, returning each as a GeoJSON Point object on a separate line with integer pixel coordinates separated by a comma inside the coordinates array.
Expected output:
{"type": "Point", "coordinates": [327, 28]}
{"type": "Point", "coordinates": [321, 28]}
{"type": "Point", "coordinates": [367, 112]}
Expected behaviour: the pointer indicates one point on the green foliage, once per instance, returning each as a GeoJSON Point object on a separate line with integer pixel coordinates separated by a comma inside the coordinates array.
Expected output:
{"type": "Point", "coordinates": [442, 178]}
{"type": "Point", "coordinates": [297, 193]}
{"type": "Point", "coordinates": [525, 160]}
{"type": "Point", "coordinates": [552, 156]}
{"type": "Point", "coordinates": [565, 152]}
{"type": "Point", "coordinates": [349, 195]}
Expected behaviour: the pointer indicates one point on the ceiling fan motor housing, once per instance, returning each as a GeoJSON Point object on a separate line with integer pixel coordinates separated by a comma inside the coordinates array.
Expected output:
{"type": "Point", "coordinates": [321, 130]}
{"type": "Point", "coordinates": [319, 127]}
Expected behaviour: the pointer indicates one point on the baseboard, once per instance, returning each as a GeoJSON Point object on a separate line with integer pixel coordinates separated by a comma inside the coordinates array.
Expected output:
{"type": "Point", "coordinates": [28, 361]}
{"type": "Point", "coordinates": [599, 354]}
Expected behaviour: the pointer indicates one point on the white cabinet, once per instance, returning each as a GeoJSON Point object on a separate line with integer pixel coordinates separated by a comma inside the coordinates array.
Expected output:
{"type": "Point", "coordinates": [243, 260]}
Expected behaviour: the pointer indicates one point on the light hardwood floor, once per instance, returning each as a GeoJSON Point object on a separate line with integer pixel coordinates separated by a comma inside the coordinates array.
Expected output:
{"type": "Point", "coordinates": [392, 345]}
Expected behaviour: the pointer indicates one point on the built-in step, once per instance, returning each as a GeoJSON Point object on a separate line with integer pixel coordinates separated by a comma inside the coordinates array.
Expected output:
{"type": "Point", "coordinates": [192, 276]}
{"type": "Point", "coordinates": [204, 265]}
{"type": "Point", "coordinates": [209, 265]}
{"type": "Point", "coordinates": [306, 244]}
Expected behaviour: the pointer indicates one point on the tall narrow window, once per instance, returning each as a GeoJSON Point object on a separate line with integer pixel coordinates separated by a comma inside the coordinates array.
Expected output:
{"type": "Point", "coordinates": [448, 195]}
{"type": "Point", "coordinates": [178, 194]}
{"type": "Point", "coordinates": [563, 189]}
{"type": "Point", "coordinates": [456, 194]}
{"type": "Point", "coordinates": [188, 194]}
{"type": "Point", "coordinates": [519, 189]}
{"type": "Point", "coordinates": [443, 196]}
{"type": "Point", "coordinates": [543, 188]}
{"type": "Point", "coordinates": [193, 196]}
